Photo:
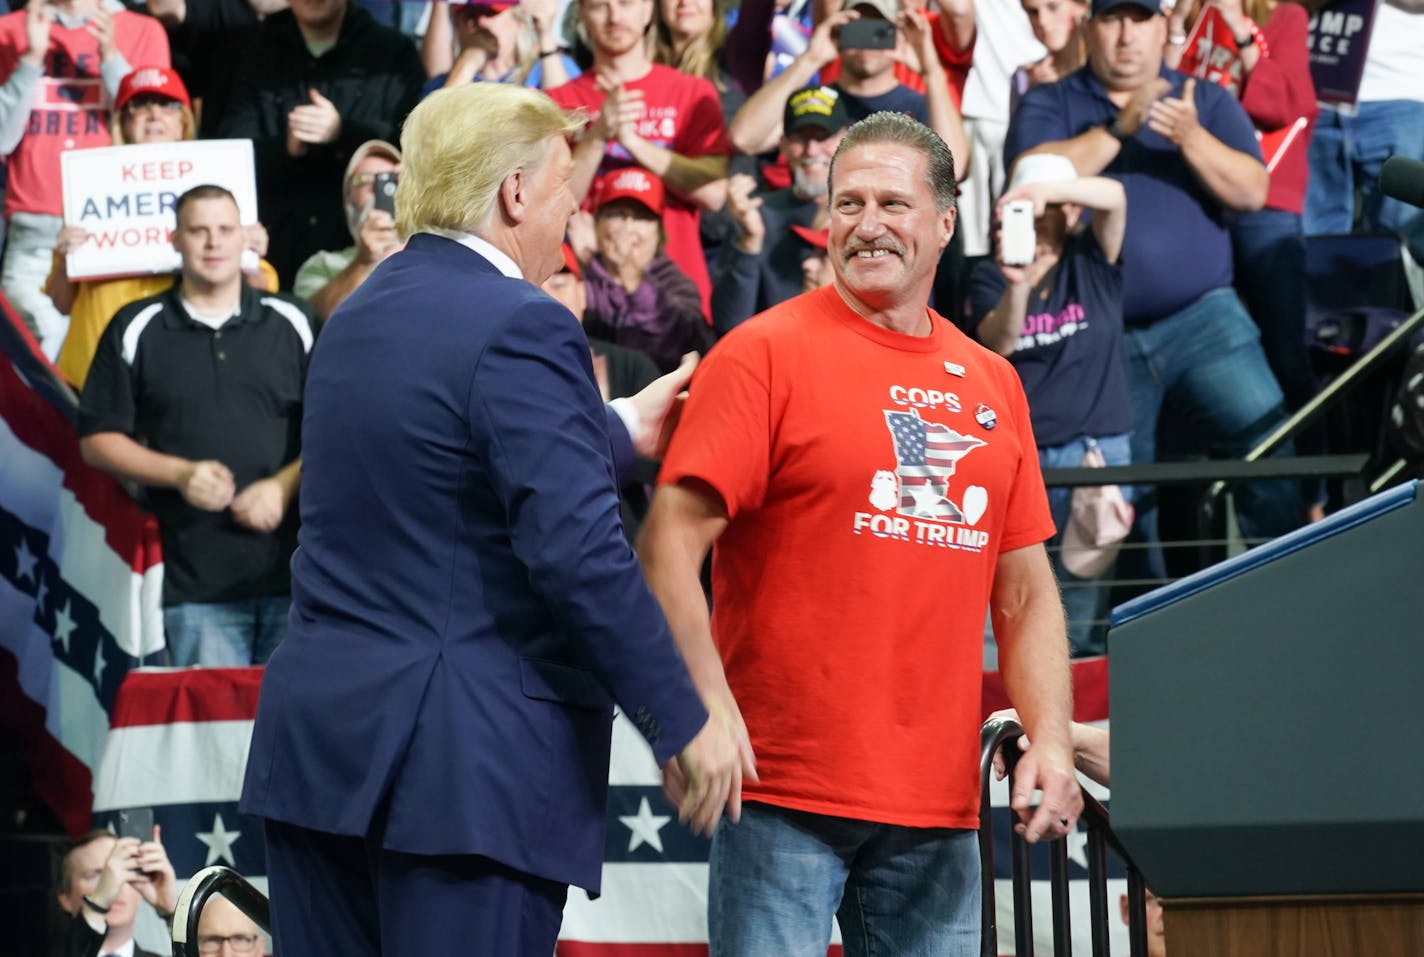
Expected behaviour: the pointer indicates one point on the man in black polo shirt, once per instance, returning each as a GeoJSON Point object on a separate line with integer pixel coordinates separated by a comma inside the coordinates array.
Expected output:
{"type": "Point", "coordinates": [196, 394]}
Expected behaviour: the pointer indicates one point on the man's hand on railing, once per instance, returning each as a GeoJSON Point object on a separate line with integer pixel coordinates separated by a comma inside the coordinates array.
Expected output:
{"type": "Point", "coordinates": [1049, 770]}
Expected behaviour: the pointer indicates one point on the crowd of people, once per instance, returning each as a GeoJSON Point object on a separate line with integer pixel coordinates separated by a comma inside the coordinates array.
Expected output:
{"type": "Point", "coordinates": [701, 175]}
{"type": "Point", "coordinates": [1160, 302]}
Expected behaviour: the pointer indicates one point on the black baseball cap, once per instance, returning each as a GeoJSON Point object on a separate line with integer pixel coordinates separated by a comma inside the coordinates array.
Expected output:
{"type": "Point", "coordinates": [818, 106]}
{"type": "Point", "coordinates": [1103, 6]}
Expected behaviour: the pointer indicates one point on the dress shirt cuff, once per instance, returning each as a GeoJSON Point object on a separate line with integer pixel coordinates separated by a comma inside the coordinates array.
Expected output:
{"type": "Point", "coordinates": [628, 415]}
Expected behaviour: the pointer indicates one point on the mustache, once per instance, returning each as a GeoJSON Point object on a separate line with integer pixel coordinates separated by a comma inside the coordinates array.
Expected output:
{"type": "Point", "coordinates": [887, 243]}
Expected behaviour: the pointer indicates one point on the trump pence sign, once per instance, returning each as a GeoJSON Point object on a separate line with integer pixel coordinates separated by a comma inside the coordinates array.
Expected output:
{"type": "Point", "coordinates": [123, 196]}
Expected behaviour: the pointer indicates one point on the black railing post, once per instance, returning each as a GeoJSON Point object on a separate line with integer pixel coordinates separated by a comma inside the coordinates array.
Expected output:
{"type": "Point", "coordinates": [1002, 734]}
{"type": "Point", "coordinates": [203, 885]}
{"type": "Point", "coordinates": [1098, 891]}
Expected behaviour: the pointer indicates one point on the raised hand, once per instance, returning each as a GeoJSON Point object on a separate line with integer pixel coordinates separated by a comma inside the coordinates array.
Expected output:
{"type": "Point", "coordinates": [1175, 118]}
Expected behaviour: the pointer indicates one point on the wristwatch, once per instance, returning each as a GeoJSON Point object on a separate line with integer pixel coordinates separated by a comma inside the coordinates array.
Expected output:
{"type": "Point", "coordinates": [1116, 131]}
{"type": "Point", "coordinates": [1250, 40]}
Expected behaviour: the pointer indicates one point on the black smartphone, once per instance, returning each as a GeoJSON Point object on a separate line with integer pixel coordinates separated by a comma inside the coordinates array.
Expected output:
{"type": "Point", "coordinates": [867, 33]}
{"type": "Point", "coordinates": [385, 185]}
{"type": "Point", "coordinates": [135, 822]}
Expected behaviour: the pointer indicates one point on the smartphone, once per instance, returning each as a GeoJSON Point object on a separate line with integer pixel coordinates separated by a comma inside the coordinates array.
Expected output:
{"type": "Point", "coordinates": [1017, 238]}
{"type": "Point", "coordinates": [867, 33]}
{"type": "Point", "coordinates": [385, 185]}
{"type": "Point", "coordinates": [135, 822]}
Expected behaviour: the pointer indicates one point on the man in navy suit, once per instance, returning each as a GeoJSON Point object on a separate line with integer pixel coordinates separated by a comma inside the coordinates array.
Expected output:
{"type": "Point", "coordinates": [431, 745]}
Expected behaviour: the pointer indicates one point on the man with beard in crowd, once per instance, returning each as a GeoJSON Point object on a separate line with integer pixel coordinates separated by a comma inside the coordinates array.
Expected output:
{"type": "Point", "coordinates": [762, 267]}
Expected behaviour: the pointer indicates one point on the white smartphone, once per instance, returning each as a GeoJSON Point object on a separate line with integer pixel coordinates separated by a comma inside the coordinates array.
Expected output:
{"type": "Point", "coordinates": [1017, 238]}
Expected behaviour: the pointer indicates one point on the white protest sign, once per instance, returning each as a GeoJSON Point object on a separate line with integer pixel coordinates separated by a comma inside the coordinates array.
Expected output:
{"type": "Point", "coordinates": [123, 196]}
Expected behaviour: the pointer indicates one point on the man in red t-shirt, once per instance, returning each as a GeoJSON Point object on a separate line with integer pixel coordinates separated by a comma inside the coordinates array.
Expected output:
{"type": "Point", "coordinates": [871, 482]}
{"type": "Point", "coordinates": [61, 63]}
{"type": "Point", "coordinates": [649, 115]}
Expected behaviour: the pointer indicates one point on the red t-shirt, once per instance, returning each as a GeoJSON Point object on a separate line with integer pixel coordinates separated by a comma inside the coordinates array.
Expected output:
{"type": "Point", "coordinates": [871, 488]}
{"type": "Point", "coordinates": [70, 108]}
{"type": "Point", "coordinates": [681, 113]}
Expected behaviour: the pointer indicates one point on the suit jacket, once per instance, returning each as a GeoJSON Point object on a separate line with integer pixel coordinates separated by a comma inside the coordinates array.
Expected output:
{"type": "Point", "coordinates": [465, 609]}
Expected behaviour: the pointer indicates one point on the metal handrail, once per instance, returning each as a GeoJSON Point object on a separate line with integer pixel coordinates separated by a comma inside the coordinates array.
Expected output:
{"type": "Point", "coordinates": [1003, 734]}
{"type": "Point", "coordinates": [1306, 415]}
{"type": "Point", "coordinates": [203, 885]}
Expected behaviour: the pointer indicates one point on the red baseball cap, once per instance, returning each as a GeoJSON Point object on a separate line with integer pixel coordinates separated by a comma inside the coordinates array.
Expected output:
{"type": "Point", "coordinates": [634, 183]}
{"type": "Point", "coordinates": [571, 263]}
{"type": "Point", "coordinates": [816, 237]}
{"type": "Point", "coordinates": [153, 80]}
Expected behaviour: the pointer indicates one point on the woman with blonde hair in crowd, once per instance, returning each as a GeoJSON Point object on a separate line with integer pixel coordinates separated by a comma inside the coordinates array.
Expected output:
{"type": "Point", "coordinates": [697, 38]}
{"type": "Point", "coordinates": [1276, 90]}
{"type": "Point", "coordinates": [152, 106]}
{"type": "Point", "coordinates": [496, 41]}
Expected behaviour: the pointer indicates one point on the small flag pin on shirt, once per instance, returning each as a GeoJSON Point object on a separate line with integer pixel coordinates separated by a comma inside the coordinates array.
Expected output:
{"type": "Point", "coordinates": [954, 368]}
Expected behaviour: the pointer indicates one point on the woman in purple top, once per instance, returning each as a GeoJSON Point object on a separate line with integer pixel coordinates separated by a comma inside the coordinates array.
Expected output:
{"type": "Point", "coordinates": [637, 296]}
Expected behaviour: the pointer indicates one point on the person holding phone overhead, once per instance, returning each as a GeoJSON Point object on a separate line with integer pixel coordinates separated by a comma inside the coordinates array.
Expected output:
{"type": "Point", "coordinates": [862, 38]}
{"type": "Point", "coordinates": [103, 880]}
{"type": "Point", "coordinates": [329, 276]}
{"type": "Point", "coordinates": [1057, 316]}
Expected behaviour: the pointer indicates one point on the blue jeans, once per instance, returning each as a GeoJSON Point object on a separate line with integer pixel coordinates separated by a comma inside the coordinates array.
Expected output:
{"type": "Point", "coordinates": [1205, 361]}
{"type": "Point", "coordinates": [1346, 153]}
{"type": "Point", "coordinates": [778, 878]}
{"type": "Point", "coordinates": [1083, 598]}
{"type": "Point", "coordinates": [29, 254]}
{"type": "Point", "coordinates": [229, 634]}
{"type": "Point", "coordinates": [1270, 279]}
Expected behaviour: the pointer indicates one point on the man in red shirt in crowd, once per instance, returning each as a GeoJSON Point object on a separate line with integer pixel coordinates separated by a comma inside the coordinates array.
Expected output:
{"type": "Point", "coordinates": [652, 116]}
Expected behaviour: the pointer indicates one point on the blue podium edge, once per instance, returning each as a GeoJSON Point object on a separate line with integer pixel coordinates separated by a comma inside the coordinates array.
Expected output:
{"type": "Point", "coordinates": [1343, 520]}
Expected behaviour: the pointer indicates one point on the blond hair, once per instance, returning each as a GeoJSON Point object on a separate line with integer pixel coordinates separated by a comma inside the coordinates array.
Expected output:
{"type": "Point", "coordinates": [116, 127]}
{"type": "Point", "coordinates": [459, 144]}
{"type": "Point", "coordinates": [701, 55]}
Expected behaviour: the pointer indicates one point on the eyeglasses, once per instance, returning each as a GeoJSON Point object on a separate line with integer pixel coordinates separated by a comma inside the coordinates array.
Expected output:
{"type": "Point", "coordinates": [240, 943]}
{"type": "Point", "coordinates": [161, 103]}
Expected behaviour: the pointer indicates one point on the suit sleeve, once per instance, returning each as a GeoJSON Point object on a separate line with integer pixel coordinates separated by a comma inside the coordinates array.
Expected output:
{"type": "Point", "coordinates": [536, 419]}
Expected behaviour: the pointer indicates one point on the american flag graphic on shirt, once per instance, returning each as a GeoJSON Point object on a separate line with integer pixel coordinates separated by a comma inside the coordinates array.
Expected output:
{"type": "Point", "coordinates": [926, 453]}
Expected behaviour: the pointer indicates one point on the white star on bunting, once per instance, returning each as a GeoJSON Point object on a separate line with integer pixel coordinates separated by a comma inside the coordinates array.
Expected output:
{"type": "Point", "coordinates": [645, 826]}
{"type": "Point", "coordinates": [219, 841]}
{"type": "Point", "coordinates": [63, 626]}
{"type": "Point", "coordinates": [24, 561]}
